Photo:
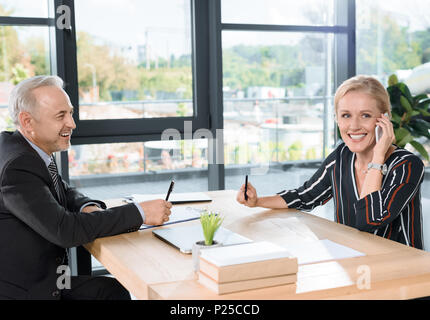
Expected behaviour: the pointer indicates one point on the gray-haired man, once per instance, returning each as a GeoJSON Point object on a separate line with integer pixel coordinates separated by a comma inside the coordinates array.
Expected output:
{"type": "Point", "coordinates": [40, 215]}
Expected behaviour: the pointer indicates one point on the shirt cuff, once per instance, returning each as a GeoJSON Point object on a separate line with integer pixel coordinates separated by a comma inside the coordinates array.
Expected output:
{"type": "Point", "coordinates": [140, 210]}
{"type": "Point", "coordinates": [90, 204]}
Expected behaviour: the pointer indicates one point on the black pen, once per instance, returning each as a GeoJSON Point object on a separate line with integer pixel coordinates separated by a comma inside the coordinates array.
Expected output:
{"type": "Point", "coordinates": [170, 189]}
{"type": "Point", "coordinates": [246, 187]}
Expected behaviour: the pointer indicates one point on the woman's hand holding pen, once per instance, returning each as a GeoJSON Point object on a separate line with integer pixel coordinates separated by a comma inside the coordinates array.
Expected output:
{"type": "Point", "coordinates": [272, 202]}
{"type": "Point", "coordinates": [251, 193]}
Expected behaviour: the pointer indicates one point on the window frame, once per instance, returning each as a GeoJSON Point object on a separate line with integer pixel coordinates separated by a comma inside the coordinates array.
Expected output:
{"type": "Point", "coordinates": [131, 130]}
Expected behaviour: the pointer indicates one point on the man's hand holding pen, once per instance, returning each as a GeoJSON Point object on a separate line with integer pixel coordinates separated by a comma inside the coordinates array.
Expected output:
{"type": "Point", "coordinates": [156, 211]}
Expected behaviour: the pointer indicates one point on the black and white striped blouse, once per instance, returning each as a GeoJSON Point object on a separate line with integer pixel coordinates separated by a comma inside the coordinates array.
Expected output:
{"type": "Point", "coordinates": [394, 212]}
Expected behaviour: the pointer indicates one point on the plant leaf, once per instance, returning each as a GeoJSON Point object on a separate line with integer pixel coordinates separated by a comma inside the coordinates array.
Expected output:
{"type": "Point", "coordinates": [400, 133]}
{"type": "Point", "coordinates": [419, 147]}
{"type": "Point", "coordinates": [423, 104]}
{"type": "Point", "coordinates": [424, 113]}
{"type": "Point", "coordinates": [405, 91]}
{"type": "Point", "coordinates": [403, 136]}
{"type": "Point", "coordinates": [421, 127]}
{"type": "Point", "coordinates": [392, 80]}
{"type": "Point", "coordinates": [395, 118]}
{"type": "Point", "coordinates": [405, 104]}
{"type": "Point", "coordinates": [210, 222]}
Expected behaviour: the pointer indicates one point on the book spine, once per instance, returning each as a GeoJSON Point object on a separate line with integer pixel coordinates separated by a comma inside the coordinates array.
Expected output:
{"type": "Point", "coordinates": [247, 271]}
{"type": "Point", "coordinates": [235, 286]}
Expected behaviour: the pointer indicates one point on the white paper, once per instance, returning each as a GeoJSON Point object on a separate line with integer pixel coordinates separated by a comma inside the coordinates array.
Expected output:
{"type": "Point", "coordinates": [320, 250]}
{"type": "Point", "coordinates": [179, 214]}
{"type": "Point", "coordinates": [181, 197]}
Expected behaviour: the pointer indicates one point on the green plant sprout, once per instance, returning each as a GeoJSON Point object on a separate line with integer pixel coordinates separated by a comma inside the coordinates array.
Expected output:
{"type": "Point", "coordinates": [210, 222]}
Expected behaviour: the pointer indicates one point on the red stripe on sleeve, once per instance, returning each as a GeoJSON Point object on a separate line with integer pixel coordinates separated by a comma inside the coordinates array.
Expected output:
{"type": "Point", "coordinates": [337, 198]}
{"type": "Point", "coordinates": [400, 164]}
{"type": "Point", "coordinates": [412, 222]}
{"type": "Point", "coordinates": [409, 173]}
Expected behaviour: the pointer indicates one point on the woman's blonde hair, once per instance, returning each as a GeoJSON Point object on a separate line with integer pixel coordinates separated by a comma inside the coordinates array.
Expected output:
{"type": "Point", "coordinates": [368, 85]}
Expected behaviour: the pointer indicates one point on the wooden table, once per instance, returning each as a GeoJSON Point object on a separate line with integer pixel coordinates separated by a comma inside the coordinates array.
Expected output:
{"type": "Point", "coordinates": [152, 269]}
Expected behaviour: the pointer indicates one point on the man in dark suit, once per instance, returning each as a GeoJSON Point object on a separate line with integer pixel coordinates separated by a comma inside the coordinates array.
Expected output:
{"type": "Point", "coordinates": [40, 215]}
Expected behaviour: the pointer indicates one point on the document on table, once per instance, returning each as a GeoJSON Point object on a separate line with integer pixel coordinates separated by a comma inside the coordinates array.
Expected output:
{"type": "Point", "coordinates": [320, 250]}
{"type": "Point", "coordinates": [175, 198]}
{"type": "Point", "coordinates": [178, 214]}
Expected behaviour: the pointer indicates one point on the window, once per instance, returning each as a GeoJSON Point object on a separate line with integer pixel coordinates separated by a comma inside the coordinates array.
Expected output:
{"type": "Point", "coordinates": [135, 63]}
{"type": "Point", "coordinates": [135, 80]}
{"type": "Point", "coordinates": [395, 39]}
{"type": "Point", "coordinates": [280, 71]}
{"type": "Point", "coordinates": [136, 70]}
{"type": "Point", "coordinates": [114, 170]}
{"type": "Point", "coordinates": [25, 8]}
{"type": "Point", "coordinates": [280, 12]}
{"type": "Point", "coordinates": [25, 49]}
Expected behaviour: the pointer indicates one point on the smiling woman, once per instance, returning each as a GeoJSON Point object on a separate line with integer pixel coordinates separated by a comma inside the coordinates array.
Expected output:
{"type": "Point", "coordinates": [375, 185]}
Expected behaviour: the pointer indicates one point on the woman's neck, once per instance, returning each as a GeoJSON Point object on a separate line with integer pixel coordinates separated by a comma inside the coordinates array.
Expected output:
{"type": "Point", "coordinates": [363, 159]}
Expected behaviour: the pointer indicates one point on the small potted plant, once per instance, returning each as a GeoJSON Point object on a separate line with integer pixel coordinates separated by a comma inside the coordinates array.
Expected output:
{"type": "Point", "coordinates": [210, 222]}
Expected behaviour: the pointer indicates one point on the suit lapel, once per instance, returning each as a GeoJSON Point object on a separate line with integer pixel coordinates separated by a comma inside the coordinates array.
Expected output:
{"type": "Point", "coordinates": [46, 175]}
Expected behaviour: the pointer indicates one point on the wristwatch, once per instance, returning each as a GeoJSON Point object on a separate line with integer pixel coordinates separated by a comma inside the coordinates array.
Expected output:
{"type": "Point", "coordinates": [380, 167]}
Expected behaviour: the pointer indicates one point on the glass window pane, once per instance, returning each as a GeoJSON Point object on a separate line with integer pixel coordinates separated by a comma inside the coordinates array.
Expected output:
{"type": "Point", "coordinates": [281, 12]}
{"type": "Point", "coordinates": [117, 170]}
{"type": "Point", "coordinates": [24, 8]}
{"type": "Point", "coordinates": [395, 39]}
{"type": "Point", "coordinates": [24, 52]}
{"type": "Point", "coordinates": [137, 62]}
{"type": "Point", "coordinates": [392, 39]}
{"type": "Point", "coordinates": [278, 90]}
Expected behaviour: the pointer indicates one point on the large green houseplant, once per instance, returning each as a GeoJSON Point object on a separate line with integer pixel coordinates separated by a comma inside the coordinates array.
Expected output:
{"type": "Point", "coordinates": [410, 115]}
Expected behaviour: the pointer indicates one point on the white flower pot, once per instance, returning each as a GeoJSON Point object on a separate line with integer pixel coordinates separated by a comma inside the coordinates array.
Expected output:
{"type": "Point", "coordinates": [200, 245]}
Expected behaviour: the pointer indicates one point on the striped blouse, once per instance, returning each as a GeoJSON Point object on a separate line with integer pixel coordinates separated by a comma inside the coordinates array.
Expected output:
{"type": "Point", "coordinates": [394, 212]}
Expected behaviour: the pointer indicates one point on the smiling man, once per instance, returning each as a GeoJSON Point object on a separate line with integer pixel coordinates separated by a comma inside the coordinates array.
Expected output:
{"type": "Point", "coordinates": [40, 215]}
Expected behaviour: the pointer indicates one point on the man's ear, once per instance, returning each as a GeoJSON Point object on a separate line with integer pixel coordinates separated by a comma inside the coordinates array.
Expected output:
{"type": "Point", "coordinates": [26, 121]}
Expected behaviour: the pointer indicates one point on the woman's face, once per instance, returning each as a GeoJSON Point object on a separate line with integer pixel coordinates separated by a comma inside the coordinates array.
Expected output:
{"type": "Point", "coordinates": [356, 118]}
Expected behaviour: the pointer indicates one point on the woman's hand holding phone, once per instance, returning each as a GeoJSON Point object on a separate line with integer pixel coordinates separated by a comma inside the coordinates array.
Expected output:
{"type": "Point", "coordinates": [384, 135]}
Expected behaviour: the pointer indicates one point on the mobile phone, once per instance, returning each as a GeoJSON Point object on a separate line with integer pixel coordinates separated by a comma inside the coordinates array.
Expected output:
{"type": "Point", "coordinates": [378, 130]}
{"type": "Point", "coordinates": [378, 133]}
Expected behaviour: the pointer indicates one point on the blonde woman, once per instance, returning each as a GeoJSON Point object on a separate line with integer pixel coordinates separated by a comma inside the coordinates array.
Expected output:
{"type": "Point", "coordinates": [375, 185]}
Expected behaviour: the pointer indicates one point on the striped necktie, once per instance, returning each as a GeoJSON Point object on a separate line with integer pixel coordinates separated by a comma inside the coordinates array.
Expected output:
{"type": "Point", "coordinates": [55, 177]}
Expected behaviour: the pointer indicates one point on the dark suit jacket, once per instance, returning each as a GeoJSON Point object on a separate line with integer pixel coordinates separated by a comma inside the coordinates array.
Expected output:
{"type": "Point", "coordinates": [35, 226]}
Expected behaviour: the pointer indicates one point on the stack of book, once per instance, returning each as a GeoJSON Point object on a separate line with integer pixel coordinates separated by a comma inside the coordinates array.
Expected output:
{"type": "Point", "coordinates": [246, 266]}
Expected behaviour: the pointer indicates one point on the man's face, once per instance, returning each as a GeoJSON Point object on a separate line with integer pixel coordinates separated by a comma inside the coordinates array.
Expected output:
{"type": "Point", "coordinates": [52, 122]}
